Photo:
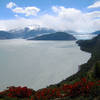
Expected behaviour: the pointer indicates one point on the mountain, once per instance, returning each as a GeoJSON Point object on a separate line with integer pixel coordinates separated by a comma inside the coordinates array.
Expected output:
{"type": "Point", "coordinates": [27, 33]}
{"type": "Point", "coordinates": [6, 35]}
{"type": "Point", "coordinates": [96, 32]}
{"type": "Point", "coordinates": [55, 36]}
{"type": "Point", "coordinates": [19, 33]}
{"type": "Point", "coordinates": [35, 32]}
{"type": "Point", "coordinates": [91, 45]}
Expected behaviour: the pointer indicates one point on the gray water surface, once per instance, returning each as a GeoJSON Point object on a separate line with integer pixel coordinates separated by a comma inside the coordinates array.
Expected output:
{"type": "Point", "coordinates": [37, 64]}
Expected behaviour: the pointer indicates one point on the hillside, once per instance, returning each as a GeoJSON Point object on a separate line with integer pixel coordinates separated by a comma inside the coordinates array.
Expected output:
{"type": "Point", "coordinates": [5, 35]}
{"type": "Point", "coordinates": [55, 36]}
{"type": "Point", "coordinates": [24, 33]}
{"type": "Point", "coordinates": [33, 33]}
{"type": "Point", "coordinates": [44, 34]}
{"type": "Point", "coordinates": [29, 33]}
{"type": "Point", "coordinates": [96, 32]}
{"type": "Point", "coordinates": [92, 46]}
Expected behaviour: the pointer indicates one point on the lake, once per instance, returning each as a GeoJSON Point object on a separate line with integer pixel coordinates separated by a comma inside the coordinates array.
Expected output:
{"type": "Point", "coordinates": [37, 64]}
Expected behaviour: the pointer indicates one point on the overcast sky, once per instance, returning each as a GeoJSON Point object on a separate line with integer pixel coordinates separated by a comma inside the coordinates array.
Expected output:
{"type": "Point", "coordinates": [74, 15]}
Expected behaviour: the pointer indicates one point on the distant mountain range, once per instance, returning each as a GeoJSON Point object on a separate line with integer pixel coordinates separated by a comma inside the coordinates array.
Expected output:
{"type": "Point", "coordinates": [97, 32]}
{"type": "Point", "coordinates": [6, 35]}
{"type": "Point", "coordinates": [27, 33]}
{"type": "Point", "coordinates": [41, 34]}
{"type": "Point", "coordinates": [55, 36]}
{"type": "Point", "coordinates": [36, 34]}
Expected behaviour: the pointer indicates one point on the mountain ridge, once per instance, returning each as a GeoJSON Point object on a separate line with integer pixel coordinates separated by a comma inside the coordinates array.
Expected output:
{"type": "Point", "coordinates": [6, 35]}
{"type": "Point", "coordinates": [55, 36]}
{"type": "Point", "coordinates": [27, 33]}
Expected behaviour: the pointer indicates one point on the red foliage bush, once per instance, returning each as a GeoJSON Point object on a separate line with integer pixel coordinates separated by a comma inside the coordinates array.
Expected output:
{"type": "Point", "coordinates": [21, 92]}
{"type": "Point", "coordinates": [80, 88]}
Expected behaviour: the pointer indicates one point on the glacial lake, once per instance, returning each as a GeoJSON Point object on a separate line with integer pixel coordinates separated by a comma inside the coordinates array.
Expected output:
{"type": "Point", "coordinates": [37, 64]}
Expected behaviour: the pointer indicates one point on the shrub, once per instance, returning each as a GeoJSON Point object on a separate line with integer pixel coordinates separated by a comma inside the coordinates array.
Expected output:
{"type": "Point", "coordinates": [20, 92]}
{"type": "Point", "coordinates": [97, 70]}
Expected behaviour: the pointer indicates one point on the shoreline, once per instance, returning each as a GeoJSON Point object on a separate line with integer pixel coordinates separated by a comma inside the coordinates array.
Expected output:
{"type": "Point", "coordinates": [84, 61]}
{"type": "Point", "coordinates": [70, 78]}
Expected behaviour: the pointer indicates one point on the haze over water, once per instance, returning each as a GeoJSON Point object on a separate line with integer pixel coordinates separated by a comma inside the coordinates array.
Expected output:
{"type": "Point", "coordinates": [37, 64]}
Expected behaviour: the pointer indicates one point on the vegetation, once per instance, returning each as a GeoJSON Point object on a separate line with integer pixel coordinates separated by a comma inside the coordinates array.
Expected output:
{"type": "Point", "coordinates": [83, 88]}
{"type": "Point", "coordinates": [97, 70]}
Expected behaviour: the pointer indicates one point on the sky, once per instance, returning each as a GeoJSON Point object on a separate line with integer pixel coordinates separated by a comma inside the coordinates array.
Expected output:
{"type": "Point", "coordinates": [63, 15]}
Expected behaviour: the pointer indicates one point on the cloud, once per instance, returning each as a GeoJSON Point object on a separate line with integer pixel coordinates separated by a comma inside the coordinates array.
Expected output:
{"type": "Point", "coordinates": [62, 10]}
{"type": "Point", "coordinates": [62, 19]}
{"type": "Point", "coordinates": [10, 5]}
{"type": "Point", "coordinates": [18, 23]}
{"type": "Point", "coordinates": [94, 14]}
{"type": "Point", "coordinates": [54, 8]}
{"type": "Point", "coordinates": [70, 19]}
{"type": "Point", "coordinates": [28, 11]}
{"type": "Point", "coordinates": [95, 5]}
{"type": "Point", "coordinates": [18, 10]}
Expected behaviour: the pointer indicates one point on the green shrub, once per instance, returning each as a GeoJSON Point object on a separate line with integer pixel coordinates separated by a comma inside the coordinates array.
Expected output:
{"type": "Point", "coordinates": [97, 70]}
